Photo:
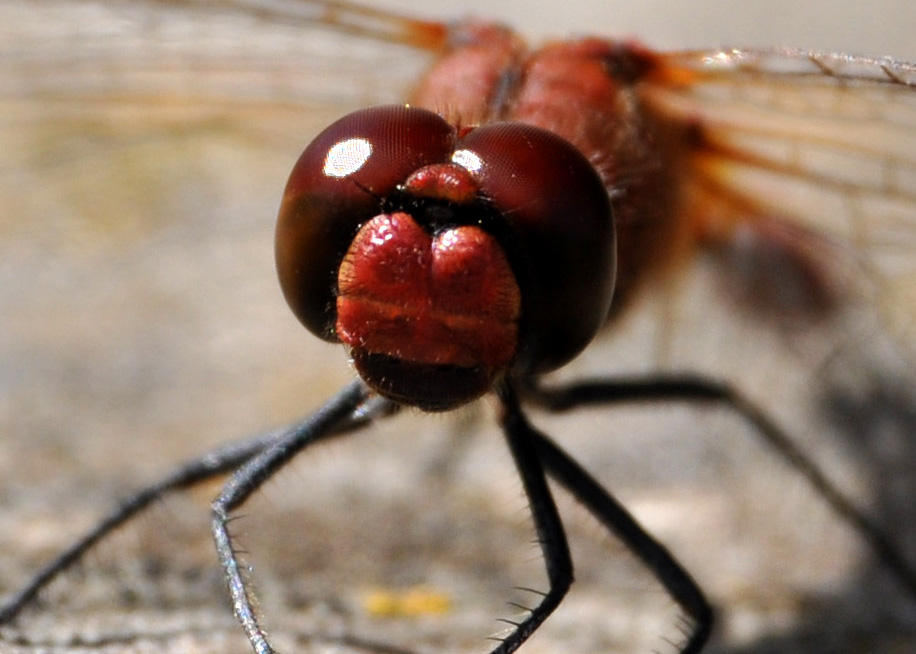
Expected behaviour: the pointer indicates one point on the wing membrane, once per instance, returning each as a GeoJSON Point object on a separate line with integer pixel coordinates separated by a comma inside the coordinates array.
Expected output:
{"type": "Point", "coordinates": [824, 144]}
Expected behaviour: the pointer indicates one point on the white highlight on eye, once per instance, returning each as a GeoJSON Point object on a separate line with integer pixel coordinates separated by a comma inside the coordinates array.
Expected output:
{"type": "Point", "coordinates": [448, 239]}
{"type": "Point", "coordinates": [346, 157]}
{"type": "Point", "coordinates": [467, 160]}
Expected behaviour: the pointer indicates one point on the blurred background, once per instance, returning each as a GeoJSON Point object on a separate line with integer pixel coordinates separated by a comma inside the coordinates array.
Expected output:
{"type": "Point", "coordinates": [146, 148]}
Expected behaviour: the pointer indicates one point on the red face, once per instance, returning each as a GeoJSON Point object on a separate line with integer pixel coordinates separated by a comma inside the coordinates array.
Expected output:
{"type": "Point", "coordinates": [442, 259]}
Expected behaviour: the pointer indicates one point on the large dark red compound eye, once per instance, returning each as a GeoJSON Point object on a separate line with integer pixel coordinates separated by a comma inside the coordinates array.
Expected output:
{"type": "Point", "coordinates": [560, 235]}
{"type": "Point", "coordinates": [338, 184]}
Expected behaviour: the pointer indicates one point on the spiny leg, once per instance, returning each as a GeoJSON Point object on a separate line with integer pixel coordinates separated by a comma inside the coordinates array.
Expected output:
{"type": "Point", "coordinates": [521, 438]}
{"type": "Point", "coordinates": [689, 388]}
{"type": "Point", "coordinates": [679, 584]}
{"type": "Point", "coordinates": [331, 418]}
{"type": "Point", "coordinates": [201, 469]}
{"type": "Point", "coordinates": [190, 473]}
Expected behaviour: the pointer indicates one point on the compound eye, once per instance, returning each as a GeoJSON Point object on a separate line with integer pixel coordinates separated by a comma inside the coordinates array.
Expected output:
{"type": "Point", "coordinates": [338, 183]}
{"type": "Point", "coordinates": [560, 233]}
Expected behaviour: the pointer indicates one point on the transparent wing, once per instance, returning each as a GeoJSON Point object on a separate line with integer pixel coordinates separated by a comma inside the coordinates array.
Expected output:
{"type": "Point", "coordinates": [803, 167]}
{"type": "Point", "coordinates": [134, 132]}
{"type": "Point", "coordinates": [797, 187]}
{"type": "Point", "coordinates": [82, 79]}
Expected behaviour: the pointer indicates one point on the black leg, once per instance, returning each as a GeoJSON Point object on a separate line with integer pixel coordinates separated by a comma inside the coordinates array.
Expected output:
{"type": "Point", "coordinates": [653, 554]}
{"type": "Point", "coordinates": [330, 419]}
{"type": "Point", "coordinates": [196, 471]}
{"type": "Point", "coordinates": [522, 442]}
{"type": "Point", "coordinates": [191, 473]}
{"type": "Point", "coordinates": [693, 389]}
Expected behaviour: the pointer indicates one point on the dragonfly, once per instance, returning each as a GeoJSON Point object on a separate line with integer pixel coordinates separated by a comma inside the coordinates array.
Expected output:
{"type": "Point", "coordinates": [192, 128]}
